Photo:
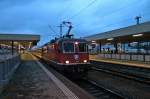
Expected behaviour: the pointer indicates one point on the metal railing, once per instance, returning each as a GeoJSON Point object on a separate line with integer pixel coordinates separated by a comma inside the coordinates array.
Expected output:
{"type": "Point", "coordinates": [7, 68]}
{"type": "Point", "coordinates": [130, 57]}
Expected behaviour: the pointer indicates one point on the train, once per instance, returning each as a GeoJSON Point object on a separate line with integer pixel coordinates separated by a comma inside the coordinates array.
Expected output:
{"type": "Point", "coordinates": [67, 54]}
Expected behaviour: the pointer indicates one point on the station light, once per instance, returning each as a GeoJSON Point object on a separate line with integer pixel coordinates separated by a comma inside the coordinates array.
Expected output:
{"type": "Point", "coordinates": [85, 61]}
{"type": "Point", "coordinates": [93, 41]}
{"type": "Point", "coordinates": [137, 35]}
{"type": "Point", "coordinates": [76, 43]}
{"type": "Point", "coordinates": [110, 39]}
{"type": "Point", "coordinates": [134, 42]}
{"type": "Point", "coordinates": [67, 62]}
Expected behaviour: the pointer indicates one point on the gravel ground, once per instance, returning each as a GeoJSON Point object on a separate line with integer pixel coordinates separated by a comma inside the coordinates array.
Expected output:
{"type": "Point", "coordinates": [30, 82]}
{"type": "Point", "coordinates": [130, 89]}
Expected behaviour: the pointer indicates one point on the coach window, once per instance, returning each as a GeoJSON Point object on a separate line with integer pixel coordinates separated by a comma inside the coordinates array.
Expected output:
{"type": "Point", "coordinates": [82, 47]}
{"type": "Point", "coordinates": [68, 47]}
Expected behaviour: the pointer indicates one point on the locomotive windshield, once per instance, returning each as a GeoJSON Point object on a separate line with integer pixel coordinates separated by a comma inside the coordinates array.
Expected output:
{"type": "Point", "coordinates": [68, 47]}
{"type": "Point", "coordinates": [82, 47]}
{"type": "Point", "coordinates": [73, 47]}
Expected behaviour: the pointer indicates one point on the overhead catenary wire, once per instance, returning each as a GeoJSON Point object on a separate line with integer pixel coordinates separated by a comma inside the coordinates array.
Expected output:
{"type": "Point", "coordinates": [84, 8]}
{"type": "Point", "coordinates": [122, 21]}
{"type": "Point", "coordinates": [65, 8]}
{"type": "Point", "coordinates": [131, 18]}
{"type": "Point", "coordinates": [51, 29]}
{"type": "Point", "coordinates": [119, 10]}
{"type": "Point", "coordinates": [116, 11]}
{"type": "Point", "coordinates": [91, 3]}
{"type": "Point", "coordinates": [143, 15]}
{"type": "Point", "coordinates": [81, 10]}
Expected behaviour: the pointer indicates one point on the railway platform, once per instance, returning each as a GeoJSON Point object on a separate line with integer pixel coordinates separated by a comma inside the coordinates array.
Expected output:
{"type": "Point", "coordinates": [122, 62]}
{"type": "Point", "coordinates": [33, 81]}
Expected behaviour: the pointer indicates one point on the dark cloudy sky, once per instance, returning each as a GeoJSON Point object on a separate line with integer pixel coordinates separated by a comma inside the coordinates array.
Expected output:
{"type": "Point", "coordinates": [88, 16]}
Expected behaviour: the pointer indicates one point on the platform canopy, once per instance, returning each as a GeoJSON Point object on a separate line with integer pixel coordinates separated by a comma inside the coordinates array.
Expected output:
{"type": "Point", "coordinates": [139, 32]}
{"type": "Point", "coordinates": [19, 37]}
{"type": "Point", "coordinates": [24, 40]}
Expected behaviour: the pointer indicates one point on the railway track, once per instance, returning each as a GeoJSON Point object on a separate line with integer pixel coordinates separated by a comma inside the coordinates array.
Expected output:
{"type": "Point", "coordinates": [137, 74]}
{"type": "Point", "coordinates": [98, 91]}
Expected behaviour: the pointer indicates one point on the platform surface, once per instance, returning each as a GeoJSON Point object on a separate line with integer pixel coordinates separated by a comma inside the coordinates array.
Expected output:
{"type": "Point", "coordinates": [31, 81]}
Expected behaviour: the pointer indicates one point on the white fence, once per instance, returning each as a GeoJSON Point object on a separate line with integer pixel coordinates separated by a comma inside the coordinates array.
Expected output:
{"type": "Point", "coordinates": [144, 58]}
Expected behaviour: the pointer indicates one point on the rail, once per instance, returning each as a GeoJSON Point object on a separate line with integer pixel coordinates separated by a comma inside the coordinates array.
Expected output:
{"type": "Point", "coordinates": [98, 91]}
{"type": "Point", "coordinates": [133, 73]}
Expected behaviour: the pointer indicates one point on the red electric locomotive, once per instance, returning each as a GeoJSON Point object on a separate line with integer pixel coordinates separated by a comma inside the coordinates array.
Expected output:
{"type": "Point", "coordinates": [67, 53]}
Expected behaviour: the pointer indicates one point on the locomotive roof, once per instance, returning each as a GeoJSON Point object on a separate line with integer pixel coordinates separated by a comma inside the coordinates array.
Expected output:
{"type": "Point", "coordinates": [65, 39]}
{"type": "Point", "coordinates": [72, 39]}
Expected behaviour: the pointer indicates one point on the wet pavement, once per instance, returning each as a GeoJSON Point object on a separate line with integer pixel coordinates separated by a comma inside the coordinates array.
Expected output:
{"type": "Point", "coordinates": [31, 82]}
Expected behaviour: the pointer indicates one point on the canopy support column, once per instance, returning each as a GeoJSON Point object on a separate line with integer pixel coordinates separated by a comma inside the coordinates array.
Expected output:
{"type": "Point", "coordinates": [116, 47]}
{"type": "Point", "coordinates": [12, 47]}
{"type": "Point", "coordinates": [100, 47]}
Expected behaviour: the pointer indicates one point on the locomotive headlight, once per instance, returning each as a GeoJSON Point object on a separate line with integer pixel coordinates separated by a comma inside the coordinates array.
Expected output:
{"type": "Point", "coordinates": [85, 61]}
{"type": "Point", "coordinates": [67, 62]}
{"type": "Point", "coordinates": [76, 43]}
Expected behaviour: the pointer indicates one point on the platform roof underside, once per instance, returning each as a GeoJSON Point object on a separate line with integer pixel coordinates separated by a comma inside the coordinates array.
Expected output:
{"type": "Point", "coordinates": [123, 34]}
{"type": "Point", "coordinates": [24, 39]}
{"type": "Point", "coordinates": [19, 37]}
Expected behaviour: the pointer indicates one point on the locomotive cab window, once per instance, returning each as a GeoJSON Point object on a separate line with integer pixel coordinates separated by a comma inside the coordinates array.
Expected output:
{"type": "Point", "coordinates": [82, 47]}
{"type": "Point", "coordinates": [68, 47]}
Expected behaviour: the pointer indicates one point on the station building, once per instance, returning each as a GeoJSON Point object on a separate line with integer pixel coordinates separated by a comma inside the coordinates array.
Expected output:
{"type": "Point", "coordinates": [128, 43]}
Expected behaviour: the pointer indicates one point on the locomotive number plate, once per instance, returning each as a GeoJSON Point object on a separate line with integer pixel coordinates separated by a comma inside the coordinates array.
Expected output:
{"type": "Point", "coordinates": [76, 57]}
